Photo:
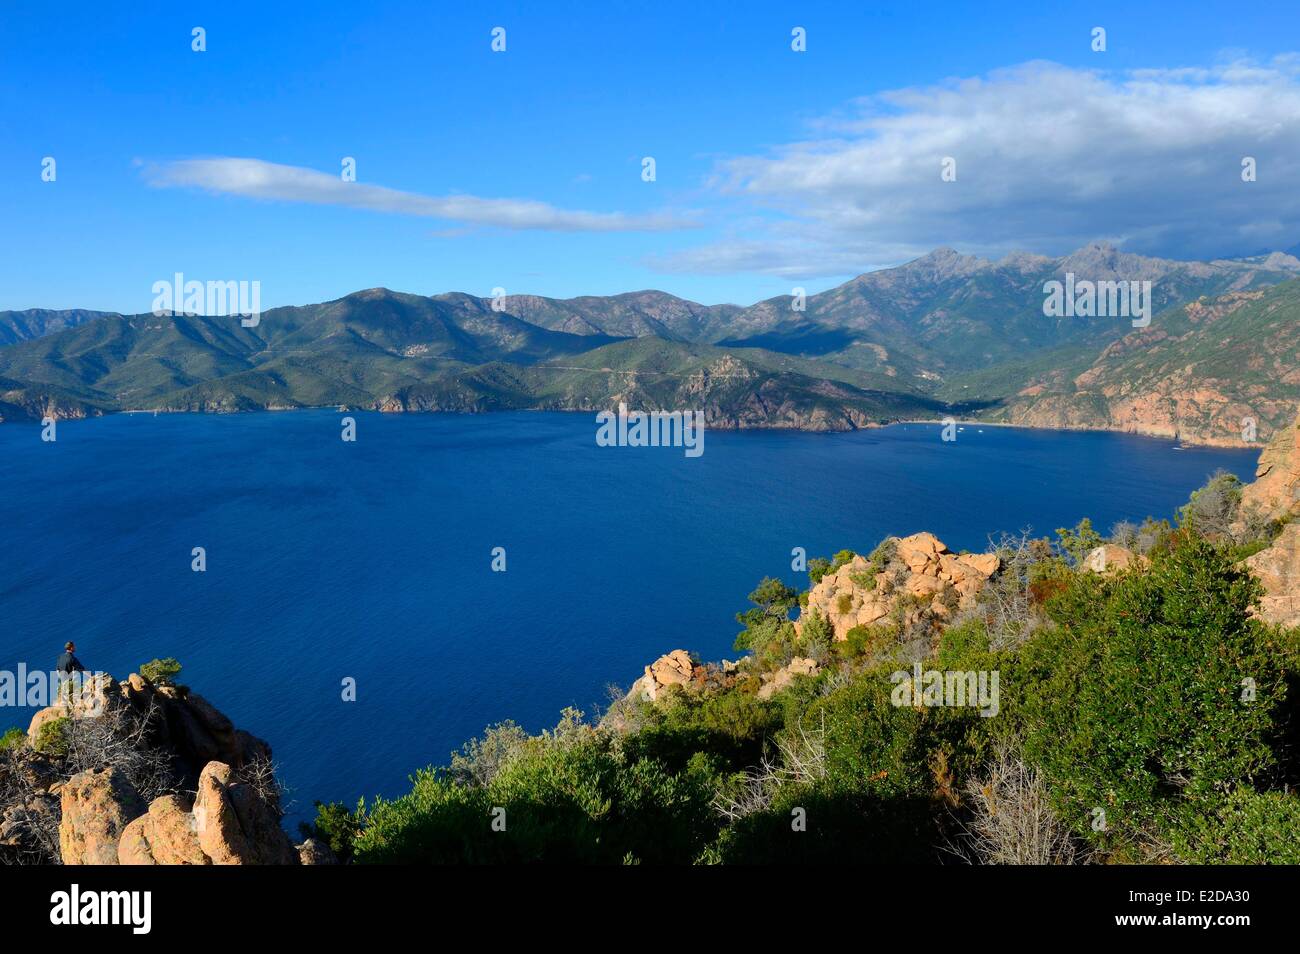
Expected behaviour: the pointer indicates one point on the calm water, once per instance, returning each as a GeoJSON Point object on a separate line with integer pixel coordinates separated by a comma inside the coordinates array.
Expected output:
{"type": "Point", "coordinates": [372, 560]}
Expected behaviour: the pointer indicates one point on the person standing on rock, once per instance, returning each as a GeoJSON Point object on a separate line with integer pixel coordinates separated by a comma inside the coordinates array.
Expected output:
{"type": "Point", "coordinates": [68, 663]}
{"type": "Point", "coordinates": [68, 667]}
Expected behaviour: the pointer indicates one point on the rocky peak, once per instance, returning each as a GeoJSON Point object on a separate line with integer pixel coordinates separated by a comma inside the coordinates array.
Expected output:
{"type": "Point", "coordinates": [945, 263]}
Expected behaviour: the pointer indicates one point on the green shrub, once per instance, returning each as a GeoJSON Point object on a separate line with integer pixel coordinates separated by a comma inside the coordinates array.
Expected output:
{"type": "Point", "coordinates": [874, 746]}
{"type": "Point", "coordinates": [817, 633]}
{"type": "Point", "coordinates": [574, 796]}
{"type": "Point", "coordinates": [12, 739]}
{"type": "Point", "coordinates": [1134, 698]}
{"type": "Point", "coordinates": [52, 736]}
{"type": "Point", "coordinates": [841, 558]}
{"type": "Point", "coordinates": [844, 826]}
{"type": "Point", "coordinates": [161, 672]}
{"type": "Point", "coordinates": [817, 568]}
{"type": "Point", "coordinates": [1080, 541]}
{"type": "Point", "coordinates": [865, 641]}
{"type": "Point", "coordinates": [336, 826]}
{"type": "Point", "coordinates": [1244, 827]}
{"type": "Point", "coordinates": [772, 601]}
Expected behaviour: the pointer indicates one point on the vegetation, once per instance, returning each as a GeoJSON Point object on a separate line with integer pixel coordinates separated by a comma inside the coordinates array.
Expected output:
{"type": "Point", "coordinates": [52, 737]}
{"type": "Point", "coordinates": [1144, 716]}
{"type": "Point", "coordinates": [161, 672]}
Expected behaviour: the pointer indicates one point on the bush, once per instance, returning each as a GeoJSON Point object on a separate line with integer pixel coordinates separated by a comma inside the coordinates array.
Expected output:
{"type": "Point", "coordinates": [772, 601]}
{"type": "Point", "coordinates": [874, 746]}
{"type": "Point", "coordinates": [1135, 700]}
{"type": "Point", "coordinates": [1079, 542]}
{"type": "Point", "coordinates": [570, 796]}
{"type": "Point", "coordinates": [1244, 827]}
{"type": "Point", "coordinates": [52, 736]}
{"type": "Point", "coordinates": [161, 672]}
{"type": "Point", "coordinates": [12, 739]}
{"type": "Point", "coordinates": [337, 827]}
{"type": "Point", "coordinates": [865, 641]}
{"type": "Point", "coordinates": [1011, 822]}
{"type": "Point", "coordinates": [817, 568]}
{"type": "Point", "coordinates": [1211, 510]}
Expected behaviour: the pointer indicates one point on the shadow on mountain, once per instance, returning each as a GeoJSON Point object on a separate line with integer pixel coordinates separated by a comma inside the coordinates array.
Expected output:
{"type": "Point", "coordinates": [802, 339]}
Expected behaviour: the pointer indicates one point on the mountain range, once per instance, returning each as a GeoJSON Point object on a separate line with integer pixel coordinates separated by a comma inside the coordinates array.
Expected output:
{"type": "Point", "coordinates": [945, 334]}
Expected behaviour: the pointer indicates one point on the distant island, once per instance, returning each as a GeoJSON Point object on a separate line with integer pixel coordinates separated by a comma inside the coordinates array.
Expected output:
{"type": "Point", "coordinates": [947, 335]}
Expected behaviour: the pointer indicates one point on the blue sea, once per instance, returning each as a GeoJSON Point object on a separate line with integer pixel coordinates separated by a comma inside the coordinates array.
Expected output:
{"type": "Point", "coordinates": [373, 560]}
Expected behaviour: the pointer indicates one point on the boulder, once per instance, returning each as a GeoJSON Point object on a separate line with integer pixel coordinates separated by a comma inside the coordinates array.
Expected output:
{"type": "Point", "coordinates": [315, 852]}
{"type": "Point", "coordinates": [235, 825]}
{"type": "Point", "coordinates": [921, 552]}
{"type": "Point", "coordinates": [169, 829]}
{"type": "Point", "coordinates": [133, 846]}
{"type": "Point", "coordinates": [97, 806]}
{"type": "Point", "coordinates": [775, 682]}
{"type": "Point", "coordinates": [672, 669]}
{"type": "Point", "coordinates": [1109, 558]}
{"type": "Point", "coordinates": [984, 564]}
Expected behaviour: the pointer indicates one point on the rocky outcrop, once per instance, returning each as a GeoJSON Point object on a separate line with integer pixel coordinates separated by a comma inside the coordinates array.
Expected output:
{"type": "Point", "coordinates": [190, 726]}
{"type": "Point", "coordinates": [776, 681]}
{"type": "Point", "coordinates": [909, 580]}
{"type": "Point", "coordinates": [1278, 568]}
{"type": "Point", "coordinates": [672, 669]}
{"type": "Point", "coordinates": [1109, 558]}
{"type": "Point", "coordinates": [98, 694]}
{"type": "Point", "coordinates": [105, 822]}
{"type": "Point", "coordinates": [167, 739]}
{"type": "Point", "coordinates": [1275, 496]}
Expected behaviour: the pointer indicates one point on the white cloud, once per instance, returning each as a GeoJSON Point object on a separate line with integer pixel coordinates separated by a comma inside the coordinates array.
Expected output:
{"type": "Point", "coordinates": [256, 179]}
{"type": "Point", "coordinates": [1048, 157]}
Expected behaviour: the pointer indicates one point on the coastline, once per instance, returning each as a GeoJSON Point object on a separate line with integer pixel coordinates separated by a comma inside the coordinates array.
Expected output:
{"type": "Point", "coordinates": [1189, 441]}
{"type": "Point", "coordinates": [1194, 441]}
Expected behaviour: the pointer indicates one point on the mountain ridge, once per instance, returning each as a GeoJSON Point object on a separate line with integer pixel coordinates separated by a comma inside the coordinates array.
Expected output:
{"type": "Point", "coordinates": [944, 334]}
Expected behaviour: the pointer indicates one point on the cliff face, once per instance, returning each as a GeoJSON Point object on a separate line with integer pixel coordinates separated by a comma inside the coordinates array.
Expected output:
{"type": "Point", "coordinates": [1200, 372]}
{"type": "Point", "coordinates": [143, 774]}
{"type": "Point", "coordinates": [1275, 492]}
{"type": "Point", "coordinates": [1275, 495]}
{"type": "Point", "coordinates": [35, 403]}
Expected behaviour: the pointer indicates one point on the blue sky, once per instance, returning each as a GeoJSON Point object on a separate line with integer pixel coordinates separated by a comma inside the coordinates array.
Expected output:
{"type": "Point", "coordinates": [522, 169]}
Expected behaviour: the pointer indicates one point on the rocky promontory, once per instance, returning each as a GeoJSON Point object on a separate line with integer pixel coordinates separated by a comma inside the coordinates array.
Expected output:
{"type": "Point", "coordinates": [142, 773]}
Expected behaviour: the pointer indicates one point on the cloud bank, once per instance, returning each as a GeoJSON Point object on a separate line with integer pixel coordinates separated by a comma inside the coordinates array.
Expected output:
{"type": "Point", "coordinates": [1048, 157]}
